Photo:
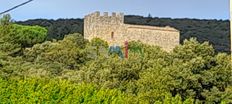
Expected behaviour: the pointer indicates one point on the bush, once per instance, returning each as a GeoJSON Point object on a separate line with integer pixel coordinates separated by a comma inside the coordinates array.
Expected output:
{"type": "Point", "coordinates": [34, 90]}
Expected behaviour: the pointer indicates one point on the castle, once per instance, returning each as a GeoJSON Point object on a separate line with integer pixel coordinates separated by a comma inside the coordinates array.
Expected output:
{"type": "Point", "coordinates": [113, 30]}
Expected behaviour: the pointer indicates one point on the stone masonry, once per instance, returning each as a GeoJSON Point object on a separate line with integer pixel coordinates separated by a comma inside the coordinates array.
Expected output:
{"type": "Point", "coordinates": [113, 30]}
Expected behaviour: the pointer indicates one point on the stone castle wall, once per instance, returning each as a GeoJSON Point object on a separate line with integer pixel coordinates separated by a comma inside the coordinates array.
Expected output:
{"type": "Point", "coordinates": [112, 29]}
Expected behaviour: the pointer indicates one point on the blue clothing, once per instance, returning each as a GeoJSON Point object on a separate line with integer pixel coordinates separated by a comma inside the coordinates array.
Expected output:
{"type": "Point", "coordinates": [117, 50]}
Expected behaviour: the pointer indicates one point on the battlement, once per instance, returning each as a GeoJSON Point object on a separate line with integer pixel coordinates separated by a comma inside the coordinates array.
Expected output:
{"type": "Point", "coordinates": [105, 14]}
{"type": "Point", "coordinates": [105, 17]}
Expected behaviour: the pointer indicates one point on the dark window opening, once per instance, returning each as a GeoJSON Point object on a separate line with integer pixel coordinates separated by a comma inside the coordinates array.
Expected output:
{"type": "Point", "coordinates": [112, 35]}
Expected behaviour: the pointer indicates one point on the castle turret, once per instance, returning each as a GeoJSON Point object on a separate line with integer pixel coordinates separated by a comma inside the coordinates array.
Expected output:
{"type": "Point", "coordinates": [96, 21]}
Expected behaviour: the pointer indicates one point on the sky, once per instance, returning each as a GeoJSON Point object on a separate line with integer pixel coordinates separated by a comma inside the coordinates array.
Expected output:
{"type": "Point", "coordinates": [54, 9]}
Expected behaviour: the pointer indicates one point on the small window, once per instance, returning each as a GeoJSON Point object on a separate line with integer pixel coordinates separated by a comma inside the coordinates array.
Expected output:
{"type": "Point", "coordinates": [112, 35]}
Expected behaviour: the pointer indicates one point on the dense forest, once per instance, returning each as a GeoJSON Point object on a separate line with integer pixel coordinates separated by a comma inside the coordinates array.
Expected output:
{"type": "Point", "coordinates": [214, 31]}
{"type": "Point", "coordinates": [72, 70]}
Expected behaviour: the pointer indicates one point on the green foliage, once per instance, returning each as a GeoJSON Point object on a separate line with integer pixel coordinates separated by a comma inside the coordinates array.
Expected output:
{"type": "Point", "coordinates": [197, 72]}
{"type": "Point", "coordinates": [44, 90]}
{"type": "Point", "coordinates": [98, 45]}
{"type": "Point", "coordinates": [192, 70]}
{"type": "Point", "coordinates": [34, 90]}
{"type": "Point", "coordinates": [214, 31]}
{"type": "Point", "coordinates": [97, 42]}
{"type": "Point", "coordinates": [14, 38]}
{"type": "Point", "coordinates": [158, 77]}
{"type": "Point", "coordinates": [27, 36]}
{"type": "Point", "coordinates": [136, 47]}
{"type": "Point", "coordinates": [74, 70]}
{"type": "Point", "coordinates": [57, 29]}
{"type": "Point", "coordinates": [68, 52]}
{"type": "Point", "coordinates": [5, 20]}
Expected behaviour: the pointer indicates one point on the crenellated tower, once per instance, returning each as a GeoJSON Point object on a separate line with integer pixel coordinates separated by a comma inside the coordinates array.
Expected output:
{"type": "Point", "coordinates": [96, 24]}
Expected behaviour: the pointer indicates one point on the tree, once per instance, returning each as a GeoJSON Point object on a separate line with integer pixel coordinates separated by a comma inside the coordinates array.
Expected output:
{"type": "Point", "coordinates": [149, 15]}
{"type": "Point", "coordinates": [5, 20]}
{"type": "Point", "coordinates": [67, 52]}
{"type": "Point", "coordinates": [98, 44]}
{"type": "Point", "coordinates": [14, 38]}
{"type": "Point", "coordinates": [27, 36]}
{"type": "Point", "coordinates": [20, 37]}
{"type": "Point", "coordinates": [197, 72]}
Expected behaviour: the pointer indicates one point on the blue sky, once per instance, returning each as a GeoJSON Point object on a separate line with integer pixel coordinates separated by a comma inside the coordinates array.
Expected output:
{"type": "Point", "coordinates": [54, 9]}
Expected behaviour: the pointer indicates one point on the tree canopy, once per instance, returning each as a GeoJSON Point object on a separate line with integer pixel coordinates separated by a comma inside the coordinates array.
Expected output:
{"type": "Point", "coordinates": [214, 31]}
{"type": "Point", "coordinates": [75, 70]}
{"type": "Point", "coordinates": [16, 37]}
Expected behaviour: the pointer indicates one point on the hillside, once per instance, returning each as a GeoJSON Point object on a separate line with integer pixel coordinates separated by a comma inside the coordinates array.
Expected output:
{"type": "Point", "coordinates": [214, 31]}
{"type": "Point", "coordinates": [74, 70]}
